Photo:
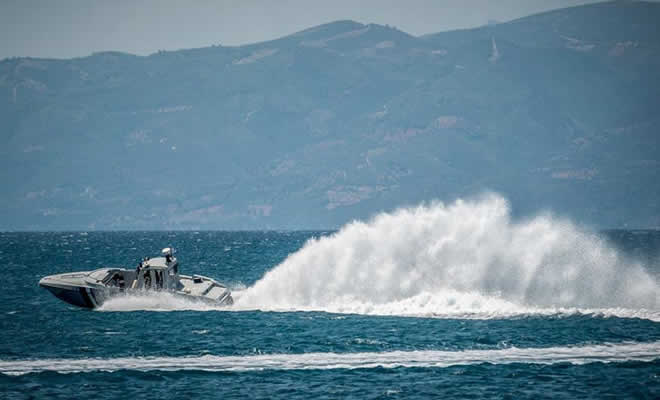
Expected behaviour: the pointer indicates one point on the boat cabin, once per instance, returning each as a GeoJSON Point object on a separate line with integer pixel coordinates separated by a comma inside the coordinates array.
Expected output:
{"type": "Point", "coordinates": [159, 273]}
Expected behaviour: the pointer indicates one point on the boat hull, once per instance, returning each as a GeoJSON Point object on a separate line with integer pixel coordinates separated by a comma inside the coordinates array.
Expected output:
{"type": "Point", "coordinates": [85, 296]}
{"type": "Point", "coordinates": [90, 289]}
{"type": "Point", "coordinates": [77, 296]}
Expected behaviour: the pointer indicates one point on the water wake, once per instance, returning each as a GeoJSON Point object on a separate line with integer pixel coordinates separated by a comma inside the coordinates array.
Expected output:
{"type": "Point", "coordinates": [468, 259]}
{"type": "Point", "coordinates": [604, 353]}
{"type": "Point", "coordinates": [154, 301]}
{"type": "Point", "coordinates": [488, 309]}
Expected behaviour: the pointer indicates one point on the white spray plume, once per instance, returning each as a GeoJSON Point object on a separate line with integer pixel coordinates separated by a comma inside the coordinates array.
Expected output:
{"type": "Point", "coordinates": [462, 259]}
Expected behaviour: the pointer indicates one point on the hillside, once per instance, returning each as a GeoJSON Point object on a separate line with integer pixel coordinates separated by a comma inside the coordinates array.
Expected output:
{"type": "Point", "coordinates": [557, 111]}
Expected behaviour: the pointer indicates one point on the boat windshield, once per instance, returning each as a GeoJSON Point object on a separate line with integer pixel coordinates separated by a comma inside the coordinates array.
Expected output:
{"type": "Point", "coordinates": [115, 278]}
{"type": "Point", "coordinates": [101, 275]}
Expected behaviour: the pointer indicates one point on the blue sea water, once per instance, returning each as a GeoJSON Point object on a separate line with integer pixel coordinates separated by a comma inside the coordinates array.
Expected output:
{"type": "Point", "coordinates": [418, 303]}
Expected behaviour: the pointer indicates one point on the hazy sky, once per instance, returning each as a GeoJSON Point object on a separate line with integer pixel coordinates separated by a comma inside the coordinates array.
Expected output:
{"type": "Point", "coordinates": [71, 28]}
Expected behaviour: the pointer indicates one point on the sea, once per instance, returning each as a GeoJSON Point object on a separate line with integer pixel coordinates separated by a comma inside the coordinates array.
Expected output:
{"type": "Point", "coordinates": [458, 300]}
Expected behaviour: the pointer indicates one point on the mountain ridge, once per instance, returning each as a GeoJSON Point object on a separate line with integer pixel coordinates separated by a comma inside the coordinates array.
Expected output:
{"type": "Point", "coordinates": [338, 122]}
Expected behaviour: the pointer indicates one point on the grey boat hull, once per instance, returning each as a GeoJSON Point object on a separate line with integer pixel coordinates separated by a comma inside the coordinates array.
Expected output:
{"type": "Point", "coordinates": [81, 290]}
{"type": "Point", "coordinates": [81, 297]}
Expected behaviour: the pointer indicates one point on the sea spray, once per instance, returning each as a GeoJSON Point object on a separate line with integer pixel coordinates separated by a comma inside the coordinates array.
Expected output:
{"type": "Point", "coordinates": [468, 258]}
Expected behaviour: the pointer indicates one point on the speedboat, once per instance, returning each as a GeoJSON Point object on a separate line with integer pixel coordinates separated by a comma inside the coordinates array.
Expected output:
{"type": "Point", "coordinates": [90, 289]}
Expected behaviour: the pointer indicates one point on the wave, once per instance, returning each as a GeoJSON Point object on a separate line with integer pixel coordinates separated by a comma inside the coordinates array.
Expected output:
{"type": "Point", "coordinates": [465, 259]}
{"type": "Point", "coordinates": [604, 353]}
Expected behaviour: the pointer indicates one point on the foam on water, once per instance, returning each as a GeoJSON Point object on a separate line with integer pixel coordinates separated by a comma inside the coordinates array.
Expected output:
{"type": "Point", "coordinates": [428, 358]}
{"type": "Point", "coordinates": [488, 309]}
{"type": "Point", "coordinates": [154, 301]}
{"type": "Point", "coordinates": [468, 259]}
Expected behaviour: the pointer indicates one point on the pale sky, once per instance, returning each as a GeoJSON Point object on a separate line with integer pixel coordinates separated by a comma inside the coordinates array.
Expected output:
{"type": "Point", "coordinates": [74, 28]}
